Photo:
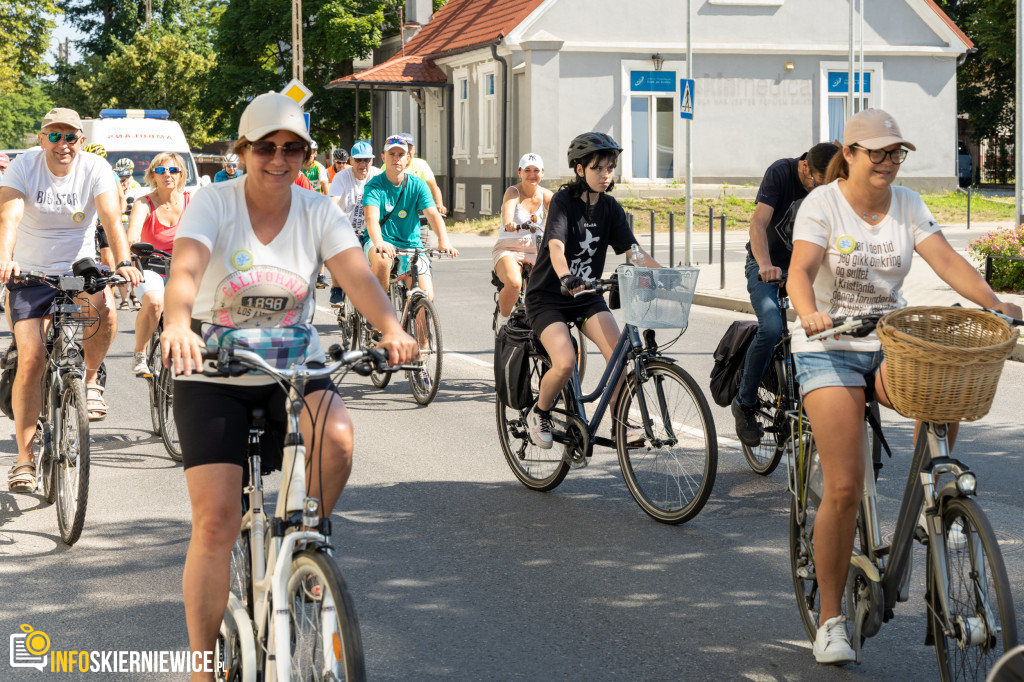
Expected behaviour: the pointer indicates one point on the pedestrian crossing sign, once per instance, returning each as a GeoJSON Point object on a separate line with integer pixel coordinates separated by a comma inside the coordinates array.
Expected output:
{"type": "Point", "coordinates": [297, 91]}
{"type": "Point", "coordinates": [686, 98]}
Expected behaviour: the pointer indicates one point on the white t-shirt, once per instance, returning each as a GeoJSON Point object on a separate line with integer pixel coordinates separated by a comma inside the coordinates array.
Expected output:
{"type": "Point", "coordinates": [864, 265]}
{"type": "Point", "coordinates": [251, 284]}
{"type": "Point", "coordinates": [350, 191]}
{"type": "Point", "coordinates": [58, 226]}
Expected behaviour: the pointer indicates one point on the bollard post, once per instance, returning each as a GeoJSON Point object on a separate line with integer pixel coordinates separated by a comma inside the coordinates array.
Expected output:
{"type": "Point", "coordinates": [671, 238]}
{"type": "Point", "coordinates": [652, 234]}
{"type": "Point", "coordinates": [988, 269]}
{"type": "Point", "coordinates": [969, 188]}
{"type": "Point", "coordinates": [722, 218]}
{"type": "Point", "coordinates": [711, 235]}
{"type": "Point", "coordinates": [629, 216]}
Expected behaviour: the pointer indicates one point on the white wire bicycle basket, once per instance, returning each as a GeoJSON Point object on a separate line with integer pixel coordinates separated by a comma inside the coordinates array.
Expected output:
{"type": "Point", "coordinates": [656, 298]}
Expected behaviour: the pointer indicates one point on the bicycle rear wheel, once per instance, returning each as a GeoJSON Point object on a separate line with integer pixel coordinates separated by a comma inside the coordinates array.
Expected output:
{"type": "Point", "coordinates": [535, 468]}
{"type": "Point", "coordinates": [325, 640]}
{"type": "Point", "coordinates": [165, 408]}
{"type": "Point", "coordinates": [771, 416]}
{"type": "Point", "coordinates": [425, 326]}
{"type": "Point", "coordinates": [350, 325]}
{"type": "Point", "coordinates": [72, 466]}
{"type": "Point", "coordinates": [978, 585]}
{"type": "Point", "coordinates": [671, 476]}
{"type": "Point", "coordinates": [154, 361]}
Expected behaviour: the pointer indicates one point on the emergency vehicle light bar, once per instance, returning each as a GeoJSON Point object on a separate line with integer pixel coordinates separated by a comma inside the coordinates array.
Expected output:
{"type": "Point", "coordinates": [135, 113]}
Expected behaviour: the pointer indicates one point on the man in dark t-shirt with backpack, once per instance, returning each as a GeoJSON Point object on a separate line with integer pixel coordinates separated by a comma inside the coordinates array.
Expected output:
{"type": "Point", "coordinates": [785, 184]}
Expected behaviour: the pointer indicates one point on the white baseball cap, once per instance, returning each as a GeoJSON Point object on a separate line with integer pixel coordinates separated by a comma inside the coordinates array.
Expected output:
{"type": "Point", "coordinates": [269, 112]}
{"type": "Point", "coordinates": [531, 159]}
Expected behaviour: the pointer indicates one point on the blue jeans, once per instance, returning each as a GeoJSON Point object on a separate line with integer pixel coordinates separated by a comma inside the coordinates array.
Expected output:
{"type": "Point", "coordinates": [765, 299]}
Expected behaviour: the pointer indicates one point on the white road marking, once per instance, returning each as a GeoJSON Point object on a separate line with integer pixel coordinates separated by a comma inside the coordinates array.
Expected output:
{"type": "Point", "coordinates": [469, 358]}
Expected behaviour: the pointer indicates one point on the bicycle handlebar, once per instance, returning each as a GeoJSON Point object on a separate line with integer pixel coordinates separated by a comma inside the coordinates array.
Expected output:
{"type": "Point", "coordinates": [233, 362]}
{"type": "Point", "coordinates": [71, 282]}
{"type": "Point", "coordinates": [594, 286]}
{"type": "Point", "coordinates": [862, 325]}
{"type": "Point", "coordinates": [531, 226]}
{"type": "Point", "coordinates": [429, 253]}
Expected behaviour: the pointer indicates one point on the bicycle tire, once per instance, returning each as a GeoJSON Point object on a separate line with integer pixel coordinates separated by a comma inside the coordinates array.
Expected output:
{"type": "Point", "coordinates": [536, 468]}
{"type": "Point", "coordinates": [431, 352]}
{"type": "Point", "coordinates": [581, 353]}
{"type": "Point", "coordinates": [671, 482]}
{"type": "Point", "coordinates": [168, 427]}
{"type": "Point", "coordinates": [966, 581]}
{"type": "Point", "coordinates": [46, 468]}
{"type": "Point", "coordinates": [154, 360]}
{"type": "Point", "coordinates": [71, 443]}
{"type": "Point", "coordinates": [764, 457]}
{"type": "Point", "coordinates": [321, 610]}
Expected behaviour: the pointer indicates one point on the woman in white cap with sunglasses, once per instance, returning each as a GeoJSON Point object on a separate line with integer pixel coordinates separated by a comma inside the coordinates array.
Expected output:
{"type": "Point", "coordinates": [524, 210]}
{"type": "Point", "coordinates": [245, 258]}
{"type": "Point", "coordinates": [853, 242]}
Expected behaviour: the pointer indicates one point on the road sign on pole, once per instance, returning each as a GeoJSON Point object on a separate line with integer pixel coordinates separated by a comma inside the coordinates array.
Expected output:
{"type": "Point", "coordinates": [297, 91]}
{"type": "Point", "coordinates": [686, 98]}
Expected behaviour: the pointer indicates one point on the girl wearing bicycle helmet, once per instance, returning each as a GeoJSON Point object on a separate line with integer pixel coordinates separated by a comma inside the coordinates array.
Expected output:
{"type": "Point", "coordinates": [853, 242]}
{"type": "Point", "coordinates": [525, 203]}
{"type": "Point", "coordinates": [582, 223]}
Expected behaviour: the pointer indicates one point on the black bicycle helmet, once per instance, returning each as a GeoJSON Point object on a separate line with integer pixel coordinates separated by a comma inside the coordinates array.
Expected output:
{"type": "Point", "coordinates": [588, 143]}
{"type": "Point", "coordinates": [340, 155]}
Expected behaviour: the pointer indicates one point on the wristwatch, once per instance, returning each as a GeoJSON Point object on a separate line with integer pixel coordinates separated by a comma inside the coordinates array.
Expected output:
{"type": "Point", "coordinates": [123, 264]}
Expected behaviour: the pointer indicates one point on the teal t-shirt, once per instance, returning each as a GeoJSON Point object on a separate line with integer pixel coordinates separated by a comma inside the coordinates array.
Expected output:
{"type": "Point", "coordinates": [402, 228]}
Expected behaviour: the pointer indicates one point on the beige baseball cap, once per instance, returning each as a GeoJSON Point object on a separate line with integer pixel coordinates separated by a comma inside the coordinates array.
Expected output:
{"type": "Point", "coordinates": [874, 129]}
{"type": "Point", "coordinates": [269, 112]}
{"type": "Point", "coordinates": [68, 117]}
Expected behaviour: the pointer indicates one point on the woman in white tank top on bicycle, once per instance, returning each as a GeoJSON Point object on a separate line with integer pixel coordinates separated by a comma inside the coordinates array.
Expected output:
{"type": "Point", "coordinates": [524, 203]}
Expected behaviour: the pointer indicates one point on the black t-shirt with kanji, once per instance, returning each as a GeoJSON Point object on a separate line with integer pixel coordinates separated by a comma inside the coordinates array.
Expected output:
{"type": "Point", "coordinates": [780, 187]}
{"type": "Point", "coordinates": [587, 232]}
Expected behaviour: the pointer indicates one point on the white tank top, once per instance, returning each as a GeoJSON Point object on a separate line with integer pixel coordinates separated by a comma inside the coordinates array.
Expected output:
{"type": "Point", "coordinates": [520, 216]}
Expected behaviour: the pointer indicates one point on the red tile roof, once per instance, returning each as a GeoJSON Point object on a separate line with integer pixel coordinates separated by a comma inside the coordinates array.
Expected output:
{"type": "Point", "coordinates": [949, 22]}
{"type": "Point", "coordinates": [464, 24]}
{"type": "Point", "coordinates": [399, 69]}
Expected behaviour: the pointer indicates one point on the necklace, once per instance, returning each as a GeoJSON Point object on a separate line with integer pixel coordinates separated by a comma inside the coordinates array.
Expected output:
{"type": "Point", "coordinates": [874, 216]}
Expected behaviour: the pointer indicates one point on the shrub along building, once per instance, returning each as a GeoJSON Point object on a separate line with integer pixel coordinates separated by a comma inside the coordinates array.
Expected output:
{"type": "Point", "coordinates": [479, 83]}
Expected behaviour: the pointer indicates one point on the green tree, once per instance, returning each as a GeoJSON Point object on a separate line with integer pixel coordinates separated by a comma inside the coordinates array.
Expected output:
{"type": "Point", "coordinates": [155, 72]}
{"type": "Point", "coordinates": [109, 22]}
{"type": "Point", "coordinates": [26, 27]}
{"type": "Point", "coordinates": [985, 81]}
{"type": "Point", "coordinates": [23, 110]}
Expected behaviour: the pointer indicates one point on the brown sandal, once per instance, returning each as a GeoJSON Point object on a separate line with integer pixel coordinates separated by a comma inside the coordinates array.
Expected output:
{"type": "Point", "coordinates": [22, 478]}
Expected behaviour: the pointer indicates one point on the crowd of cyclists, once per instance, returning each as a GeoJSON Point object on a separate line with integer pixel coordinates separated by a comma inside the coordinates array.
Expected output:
{"type": "Point", "coordinates": [249, 250]}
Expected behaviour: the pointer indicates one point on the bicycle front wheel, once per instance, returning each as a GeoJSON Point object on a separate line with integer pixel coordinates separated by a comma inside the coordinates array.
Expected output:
{"type": "Point", "coordinates": [72, 465]}
{"type": "Point", "coordinates": [165, 408]}
{"type": "Point", "coordinates": [325, 640]}
{"type": "Point", "coordinates": [671, 475]}
{"type": "Point", "coordinates": [978, 588]}
{"type": "Point", "coordinates": [425, 326]}
{"type": "Point", "coordinates": [771, 416]}
{"type": "Point", "coordinates": [154, 361]}
{"type": "Point", "coordinates": [536, 468]}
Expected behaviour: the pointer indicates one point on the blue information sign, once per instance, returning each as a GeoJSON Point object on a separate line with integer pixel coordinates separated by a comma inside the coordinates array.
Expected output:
{"type": "Point", "coordinates": [686, 98]}
{"type": "Point", "coordinates": [306, 116]}
{"type": "Point", "coordinates": [839, 81]}
{"type": "Point", "coordinates": [652, 81]}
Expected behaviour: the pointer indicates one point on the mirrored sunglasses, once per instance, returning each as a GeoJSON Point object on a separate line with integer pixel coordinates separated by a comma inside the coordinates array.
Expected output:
{"type": "Point", "coordinates": [70, 138]}
{"type": "Point", "coordinates": [160, 170]}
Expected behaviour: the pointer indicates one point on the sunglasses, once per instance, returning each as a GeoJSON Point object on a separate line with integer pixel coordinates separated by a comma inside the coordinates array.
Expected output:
{"type": "Point", "coordinates": [70, 138]}
{"type": "Point", "coordinates": [362, 160]}
{"type": "Point", "coordinates": [292, 151]}
{"type": "Point", "coordinates": [396, 140]}
{"type": "Point", "coordinates": [160, 170]}
{"type": "Point", "coordinates": [232, 165]}
{"type": "Point", "coordinates": [877, 156]}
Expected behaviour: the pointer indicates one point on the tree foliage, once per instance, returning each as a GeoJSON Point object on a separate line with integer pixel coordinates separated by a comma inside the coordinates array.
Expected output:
{"type": "Point", "coordinates": [986, 80]}
{"type": "Point", "coordinates": [109, 22]}
{"type": "Point", "coordinates": [22, 113]}
{"type": "Point", "coordinates": [156, 71]}
{"type": "Point", "coordinates": [25, 27]}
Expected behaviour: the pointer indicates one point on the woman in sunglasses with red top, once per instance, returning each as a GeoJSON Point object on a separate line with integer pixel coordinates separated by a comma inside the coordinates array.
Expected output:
{"type": "Point", "coordinates": [154, 220]}
{"type": "Point", "coordinates": [245, 260]}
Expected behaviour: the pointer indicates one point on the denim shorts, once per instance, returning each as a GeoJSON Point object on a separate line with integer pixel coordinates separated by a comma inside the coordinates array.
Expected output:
{"type": "Point", "coordinates": [835, 368]}
{"type": "Point", "coordinates": [422, 263]}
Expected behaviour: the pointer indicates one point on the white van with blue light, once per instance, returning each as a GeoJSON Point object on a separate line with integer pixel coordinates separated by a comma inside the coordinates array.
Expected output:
{"type": "Point", "coordinates": [139, 135]}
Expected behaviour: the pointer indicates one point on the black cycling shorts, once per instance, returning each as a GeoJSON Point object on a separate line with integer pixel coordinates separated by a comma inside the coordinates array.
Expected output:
{"type": "Point", "coordinates": [542, 315]}
{"type": "Point", "coordinates": [213, 420]}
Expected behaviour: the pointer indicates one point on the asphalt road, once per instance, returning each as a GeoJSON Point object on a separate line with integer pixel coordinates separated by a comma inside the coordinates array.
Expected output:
{"type": "Point", "coordinates": [458, 571]}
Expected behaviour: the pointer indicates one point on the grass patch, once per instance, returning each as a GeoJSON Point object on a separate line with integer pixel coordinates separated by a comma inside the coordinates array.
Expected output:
{"type": "Point", "coordinates": [947, 208]}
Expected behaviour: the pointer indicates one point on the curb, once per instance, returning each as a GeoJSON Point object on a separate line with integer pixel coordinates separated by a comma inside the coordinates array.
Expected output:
{"type": "Point", "coordinates": [743, 306]}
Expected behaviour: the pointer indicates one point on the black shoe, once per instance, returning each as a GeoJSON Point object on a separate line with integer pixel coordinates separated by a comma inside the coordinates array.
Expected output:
{"type": "Point", "coordinates": [747, 428]}
{"type": "Point", "coordinates": [321, 281]}
{"type": "Point", "coordinates": [337, 297]}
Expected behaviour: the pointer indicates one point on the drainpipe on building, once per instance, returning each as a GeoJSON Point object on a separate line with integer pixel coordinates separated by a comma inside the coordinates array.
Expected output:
{"type": "Point", "coordinates": [450, 92]}
{"type": "Point", "coordinates": [504, 115]}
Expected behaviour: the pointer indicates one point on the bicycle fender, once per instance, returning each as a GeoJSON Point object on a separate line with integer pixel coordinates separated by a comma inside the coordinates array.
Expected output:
{"type": "Point", "coordinates": [945, 492]}
{"type": "Point", "coordinates": [859, 560]}
{"type": "Point", "coordinates": [247, 642]}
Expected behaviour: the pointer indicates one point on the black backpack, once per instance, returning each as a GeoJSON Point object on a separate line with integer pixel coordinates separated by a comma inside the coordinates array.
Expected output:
{"type": "Point", "coordinates": [8, 369]}
{"type": "Point", "coordinates": [729, 359]}
{"type": "Point", "coordinates": [512, 348]}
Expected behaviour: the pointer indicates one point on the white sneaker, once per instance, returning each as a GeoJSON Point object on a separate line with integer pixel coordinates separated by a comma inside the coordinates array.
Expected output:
{"type": "Point", "coordinates": [956, 540]}
{"type": "Point", "coordinates": [539, 427]}
{"type": "Point", "coordinates": [139, 366]}
{"type": "Point", "coordinates": [832, 644]}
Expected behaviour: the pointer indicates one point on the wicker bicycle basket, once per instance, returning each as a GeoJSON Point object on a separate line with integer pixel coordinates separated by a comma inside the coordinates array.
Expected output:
{"type": "Point", "coordinates": [943, 363]}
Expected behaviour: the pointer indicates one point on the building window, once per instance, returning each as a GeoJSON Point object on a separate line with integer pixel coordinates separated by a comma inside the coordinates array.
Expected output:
{"type": "Point", "coordinates": [485, 200]}
{"type": "Point", "coordinates": [460, 146]}
{"type": "Point", "coordinates": [836, 91]}
{"type": "Point", "coordinates": [460, 197]}
{"type": "Point", "coordinates": [488, 113]}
